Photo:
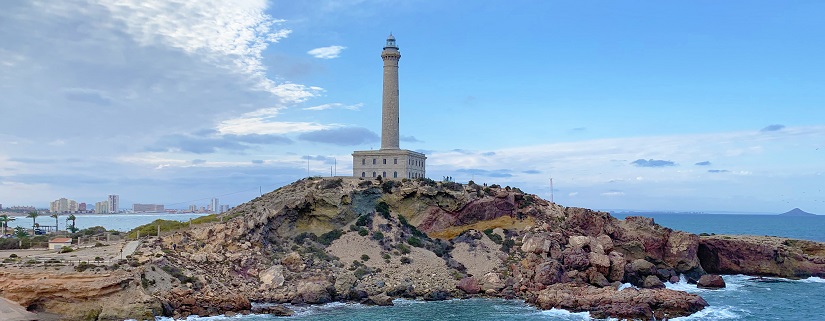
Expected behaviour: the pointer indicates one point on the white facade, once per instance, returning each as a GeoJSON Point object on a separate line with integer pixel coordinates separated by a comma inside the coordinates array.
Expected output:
{"type": "Point", "coordinates": [214, 206]}
{"type": "Point", "coordinates": [63, 205]}
{"type": "Point", "coordinates": [102, 207]}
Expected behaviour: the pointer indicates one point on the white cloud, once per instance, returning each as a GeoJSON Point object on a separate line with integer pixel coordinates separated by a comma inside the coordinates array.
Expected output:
{"type": "Point", "coordinates": [613, 194]}
{"type": "Point", "coordinates": [245, 126]}
{"type": "Point", "coordinates": [334, 106]}
{"type": "Point", "coordinates": [326, 52]}
{"type": "Point", "coordinates": [573, 194]}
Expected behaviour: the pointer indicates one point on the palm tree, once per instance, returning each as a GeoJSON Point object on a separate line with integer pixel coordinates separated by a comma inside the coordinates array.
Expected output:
{"type": "Point", "coordinates": [4, 221]}
{"type": "Point", "coordinates": [73, 219]}
{"type": "Point", "coordinates": [55, 221]}
{"type": "Point", "coordinates": [33, 215]}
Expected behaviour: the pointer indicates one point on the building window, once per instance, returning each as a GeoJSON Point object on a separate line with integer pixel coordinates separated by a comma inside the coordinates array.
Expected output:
{"type": "Point", "coordinates": [363, 174]}
{"type": "Point", "coordinates": [373, 161]}
{"type": "Point", "coordinates": [394, 174]}
{"type": "Point", "coordinates": [363, 161]}
{"type": "Point", "coordinates": [395, 161]}
{"type": "Point", "coordinates": [385, 161]}
{"type": "Point", "coordinates": [373, 174]}
{"type": "Point", "coordinates": [384, 175]}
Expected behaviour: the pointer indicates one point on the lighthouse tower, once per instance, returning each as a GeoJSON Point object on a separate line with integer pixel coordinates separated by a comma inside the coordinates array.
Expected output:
{"type": "Point", "coordinates": [389, 162]}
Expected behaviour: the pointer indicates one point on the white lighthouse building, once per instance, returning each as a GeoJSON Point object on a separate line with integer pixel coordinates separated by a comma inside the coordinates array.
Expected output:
{"type": "Point", "coordinates": [389, 162]}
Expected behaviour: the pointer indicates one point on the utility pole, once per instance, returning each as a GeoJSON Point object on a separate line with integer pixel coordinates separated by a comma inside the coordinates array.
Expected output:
{"type": "Point", "coordinates": [551, 190]}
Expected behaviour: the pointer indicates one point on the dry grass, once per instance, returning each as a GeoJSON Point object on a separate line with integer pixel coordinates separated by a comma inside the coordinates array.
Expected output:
{"type": "Point", "coordinates": [504, 222]}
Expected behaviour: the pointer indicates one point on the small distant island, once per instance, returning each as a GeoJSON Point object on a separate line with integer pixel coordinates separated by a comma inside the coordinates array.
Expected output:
{"type": "Point", "coordinates": [797, 212]}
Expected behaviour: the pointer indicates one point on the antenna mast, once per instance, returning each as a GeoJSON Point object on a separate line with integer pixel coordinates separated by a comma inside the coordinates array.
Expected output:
{"type": "Point", "coordinates": [551, 190]}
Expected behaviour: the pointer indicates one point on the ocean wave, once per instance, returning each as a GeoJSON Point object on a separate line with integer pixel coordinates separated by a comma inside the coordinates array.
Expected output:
{"type": "Point", "coordinates": [566, 315]}
{"type": "Point", "coordinates": [812, 279]}
{"type": "Point", "coordinates": [302, 311]}
{"type": "Point", "coordinates": [626, 286]}
{"type": "Point", "coordinates": [713, 313]}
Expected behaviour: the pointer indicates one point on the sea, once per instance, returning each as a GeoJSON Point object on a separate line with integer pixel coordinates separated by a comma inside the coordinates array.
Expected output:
{"type": "Point", "coordinates": [744, 298]}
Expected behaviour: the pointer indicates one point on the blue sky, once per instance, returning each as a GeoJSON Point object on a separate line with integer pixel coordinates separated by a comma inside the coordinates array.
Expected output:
{"type": "Point", "coordinates": [644, 105]}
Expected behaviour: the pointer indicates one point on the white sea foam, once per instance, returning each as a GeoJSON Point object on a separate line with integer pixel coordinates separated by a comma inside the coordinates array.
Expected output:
{"type": "Point", "coordinates": [813, 279]}
{"type": "Point", "coordinates": [712, 313]}
{"type": "Point", "coordinates": [626, 286]}
{"type": "Point", "coordinates": [566, 315]}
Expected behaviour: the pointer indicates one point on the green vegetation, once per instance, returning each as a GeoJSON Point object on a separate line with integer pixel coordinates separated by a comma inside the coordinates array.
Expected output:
{"type": "Point", "coordinates": [328, 237]}
{"type": "Point", "coordinates": [493, 236]}
{"type": "Point", "coordinates": [300, 238]}
{"type": "Point", "coordinates": [66, 249]}
{"type": "Point", "coordinates": [363, 232]}
{"type": "Point", "coordinates": [365, 257]}
{"type": "Point", "coordinates": [151, 229]}
{"type": "Point", "coordinates": [378, 236]}
{"type": "Point", "coordinates": [363, 220]}
{"type": "Point", "coordinates": [406, 260]}
{"type": "Point", "coordinates": [414, 241]}
{"type": "Point", "coordinates": [178, 274]}
{"type": "Point", "coordinates": [382, 208]}
{"type": "Point", "coordinates": [403, 248]}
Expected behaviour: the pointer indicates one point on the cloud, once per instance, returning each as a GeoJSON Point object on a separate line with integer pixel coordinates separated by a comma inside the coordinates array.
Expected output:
{"type": "Point", "coordinates": [573, 194]}
{"type": "Point", "coordinates": [87, 96]}
{"type": "Point", "coordinates": [335, 106]}
{"type": "Point", "coordinates": [409, 139]}
{"type": "Point", "coordinates": [772, 128]}
{"type": "Point", "coordinates": [718, 171]}
{"type": "Point", "coordinates": [486, 173]}
{"type": "Point", "coordinates": [326, 52]}
{"type": "Point", "coordinates": [532, 171]}
{"type": "Point", "coordinates": [488, 154]}
{"type": "Point", "coordinates": [322, 158]}
{"type": "Point", "coordinates": [579, 129]}
{"type": "Point", "coordinates": [257, 161]}
{"type": "Point", "coordinates": [344, 136]}
{"type": "Point", "coordinates": [198, 161]}
{"type": "Point", "coordinates": [705, 163]}
{"type": "Point", "coordinates": [652, 163]}
{"type": "Point", "coordinates": [214, 143]}
{"type": "Point", "coordinates": [613, 194]}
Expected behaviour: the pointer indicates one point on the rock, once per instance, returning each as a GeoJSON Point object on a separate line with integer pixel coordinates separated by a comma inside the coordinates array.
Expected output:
{"type": "Point", "coordinates": [379, 299]}
{"type": "Point", "coordinates": [600, 261]}
{"type": "Point", "coordinates": [594, 277]}
{"type": "Point", "coordinates": [275, 310]}
{"type": "Point", "coordinates": [607, 302]}
{"type": "Point", "coordinates": [273, 276]}
{"type": "Point", "coordinates": [578, 241]}
{"type": "Point", "coordinates": [711, 281]}
{"type": "Point", "coordinates": [641, 267]}
{"type": "Point", "coordinates": [437, 295]}
{"type": "Point", "coordinates": [491, 281]}
{"type": "Point", "coordinates": [469, 285]}
{"type": "Point", "coordinates": [344, 283]}
{"type": "Point", "coordinates": [293, 262]}
{"type": "Point", "coordinates": [313, 293]}
{"type": "Point", "coordinates": [674, 279]}
{"type": "Point", "coordinates": [652, 282]}
{"type": "Point", "coordinates": [549, 272]}
{"type": "Point", "coordinates": [617, 265]}
{"type": "Point", "coordinates": [680, 251]}
{"type": "Point", "coordinates": [763, 255]}
{"type": "Point", "coordinates": [575, 259]}
{"type": "Point", "coordinates": [606, 242]}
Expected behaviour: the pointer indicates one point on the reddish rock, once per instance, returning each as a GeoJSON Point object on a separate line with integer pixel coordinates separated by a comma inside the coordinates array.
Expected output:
{"type": "Point", "coordinates": [617, 264]}
{"type": "Point", "coordinates": [652, 282]}
{"type": "Point", "coordinates": [711, 281]}
{"type": "Point", "coordinates": [600, 261]}
{"type": "Point", "coordinates": [469, 285]}
{"type": "Point", "coordinates": [575, 259]}
{"type": "Point", "coordinates": [549, 272]}
{"type": "Point", "coordinates": [768, 256]}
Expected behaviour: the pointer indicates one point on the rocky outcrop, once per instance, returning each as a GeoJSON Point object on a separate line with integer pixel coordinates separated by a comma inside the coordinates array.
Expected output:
{"type": "Point", "coordinates": [762, 256]}
{"type": "Point", "coordinates": [628, 303]}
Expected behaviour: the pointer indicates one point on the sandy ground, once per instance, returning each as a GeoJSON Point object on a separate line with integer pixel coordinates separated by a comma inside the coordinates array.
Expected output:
{"type": "Point", "coordinates": [10, 311]}
{"type": "Point", "coordinates": [107, 254]}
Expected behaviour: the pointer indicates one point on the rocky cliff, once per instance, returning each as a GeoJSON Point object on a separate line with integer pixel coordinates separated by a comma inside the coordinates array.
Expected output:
{"type": "Point", "coordinates": [346, 239]}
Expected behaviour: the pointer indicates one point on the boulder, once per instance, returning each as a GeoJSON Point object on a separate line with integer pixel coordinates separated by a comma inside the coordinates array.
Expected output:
{"type": "Point", "coordinates": [293, 262]}
{"type": "Point", "coordinates": [275, 310]}
{"type": "Point", "coordinates": [575, 259]}
{"type": "Point", "coordinates": [381, 299]}
{"type": "Point", "coordinates": [617, 265]}
{"type": "Point", "coordinates": [653, 282]}
{"type": "Point", "coordinates": [641, 267]}
{"type": "Point", "coordinates": [491, 281]}
{"type": "Point", "coordinates": [711, 281]}
{"type": "Point", "coordinates": [313, 293]}
{"type": "Point", "coordinates": [273, 276]}
{"type": "Point", "coordinates": [606, 242]}
{"type": "Point", "coordinates": [600, 261]}
{"type": "Point", "coordinates": [469, 285]}
{"type": "Point", "coordinates": [549, 272]}
{"type": "Point", "coordinates": [578, 241]}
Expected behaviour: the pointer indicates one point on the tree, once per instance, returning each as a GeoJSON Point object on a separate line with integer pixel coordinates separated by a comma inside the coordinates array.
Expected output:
{"type": "Point", "coordinates": [72, 218]}
{"type": "Point", "coordinates": [20, 232]}
{"type": "Point", "coordinates": [33, 215]}
{"type": "Point", "coordinates": [55, 221]}
{"type": "Point", "coordinates": [4, 221]}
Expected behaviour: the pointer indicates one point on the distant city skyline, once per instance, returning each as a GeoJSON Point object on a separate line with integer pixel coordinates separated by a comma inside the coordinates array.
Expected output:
{"type": "Point", "coordinates": [638, 105]}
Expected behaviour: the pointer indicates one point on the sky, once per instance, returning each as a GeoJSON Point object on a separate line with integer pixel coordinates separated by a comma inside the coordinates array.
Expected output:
{"type": "Point", "coordinates": [636, 105]}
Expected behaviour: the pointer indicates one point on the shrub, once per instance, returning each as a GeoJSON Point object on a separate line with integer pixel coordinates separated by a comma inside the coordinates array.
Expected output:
{"type": "Point", "coordinates": [403, 248]}
{"type": "Point", "coordinates": [13, 255]}
{"type": "Point", "coordinates": [365, 257]}
{"type": "Point", "coordinates": [406, 260]}
{"type": "Point", "coordinates": [98, 244]}
{"type": "Point", "coordinates": [378, 236]}
{"type": "Point", "coordinates": [363, 232]}
{"type": "Point", "coordinates": [383, 209]}
{"type": "Point", "coordinates": [361, 272]}
{"type": "Point", "coordinates": [328, 237]}
{"type": "Point", "coordinates": [300, 238]}
{"type": "Point", "coordinates": [66, 249]}
{"type": "Point", "coordinates": [387, 186]}
{"type": "Point", "coordinates": [493, 236]}
{"type": "Point", "coordinates": [363, 220]}
{"type": "Point", "coordinates": [414, 241]}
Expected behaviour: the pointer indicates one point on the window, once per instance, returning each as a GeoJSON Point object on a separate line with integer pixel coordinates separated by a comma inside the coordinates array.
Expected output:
{"type": "Point", "coordinates": [373, 161]}
{"type": "Point", "coordinates": [395, 161]}
{"type": "Point", "coordinates": [363, 174]}
{"type": "Point", "coordinates": [385, 161]}
{"type": "Point", "coordinates": [373, 174]}
{"type": "Point", "coordinates": [384, 174]}
{"type": "Point", "coordinates": [394, 174]}
{"type": "Point", "coordinates": [363, 161]}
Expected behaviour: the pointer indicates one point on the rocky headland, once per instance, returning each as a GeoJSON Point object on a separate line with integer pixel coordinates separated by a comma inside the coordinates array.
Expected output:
{"type": "Point", "coordinates": [321, 240]}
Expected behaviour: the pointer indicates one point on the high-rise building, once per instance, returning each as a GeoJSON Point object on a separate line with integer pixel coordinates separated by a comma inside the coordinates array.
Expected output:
{"type": "Point", "coordinates": [389, 162]}
{"type": "Point", "coordinates": [224, 208]}
{"type": "Point", "coordinates": [102, 207]}
{"type": "Point", "coordinates": [193, 208]}
{"type": "Point", "coordinates": [81, 207]}
{"type": "Point", "coordinates": [214, 206]}
{"type": "Point", "coordinates": [114, 203]}
{"type": "Point", "coordinates": [63, 205]}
